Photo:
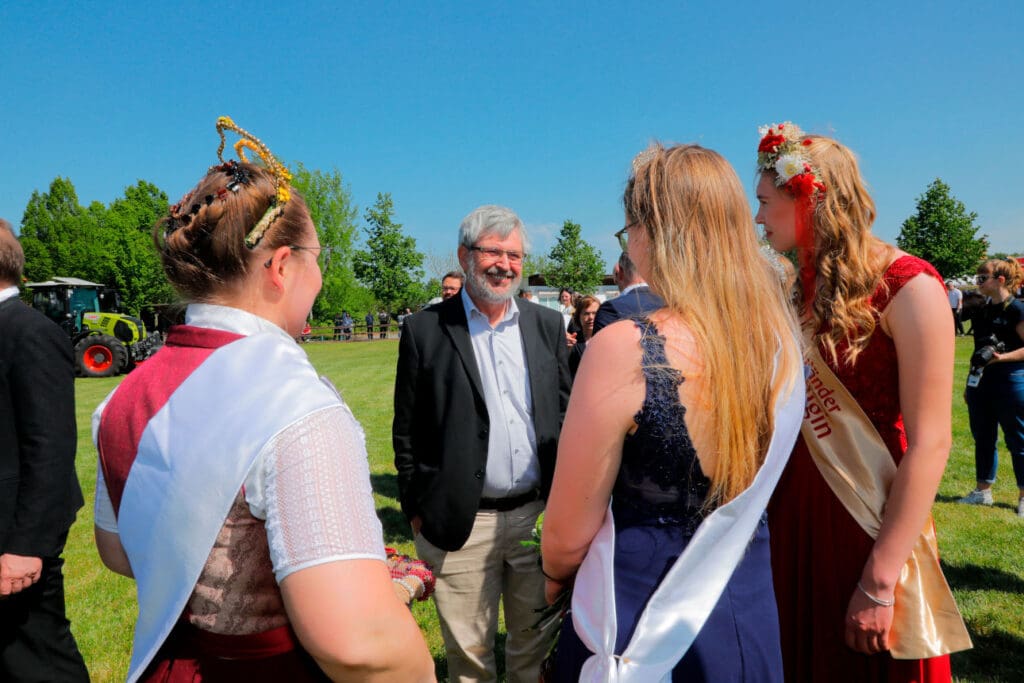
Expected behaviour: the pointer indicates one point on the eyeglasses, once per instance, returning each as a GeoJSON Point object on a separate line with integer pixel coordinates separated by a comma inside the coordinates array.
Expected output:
{"type": "Point", "coordinates": [323, 254]}
{"type": "Point", "coordinates": [623, 236]}
{"type": "Point", "coordinates": [497, 254]}
{"type": "Point", "coordinates": [981, 279]}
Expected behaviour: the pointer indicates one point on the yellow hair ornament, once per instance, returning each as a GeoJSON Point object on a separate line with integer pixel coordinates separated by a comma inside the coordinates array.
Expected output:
{"type": "Point", "coordinates": [282, 176]}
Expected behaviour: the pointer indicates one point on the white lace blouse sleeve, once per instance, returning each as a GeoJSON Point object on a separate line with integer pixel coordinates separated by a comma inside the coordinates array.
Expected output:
{"type": "Point", "coordinates": [312, 486]}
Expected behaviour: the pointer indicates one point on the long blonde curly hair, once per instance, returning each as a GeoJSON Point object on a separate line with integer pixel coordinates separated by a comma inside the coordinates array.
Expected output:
{"type": "Point", "coordinates": [705, 263]}
{"type": "Point", "coordinates": [848, 258]}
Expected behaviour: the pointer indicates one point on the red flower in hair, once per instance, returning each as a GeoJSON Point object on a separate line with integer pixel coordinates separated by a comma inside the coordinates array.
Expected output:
{"type": "Point", "coordinates": [770, 143]}
{"type": "Point", "coordinates": [804, 185]}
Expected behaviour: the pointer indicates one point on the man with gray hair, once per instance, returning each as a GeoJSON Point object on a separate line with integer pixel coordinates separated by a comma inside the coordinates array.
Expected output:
{"type": "Point", "coordinates": [39, 491]}
{"type": "Point", "coordinates": [481, 389]}
{"type": "Point", "coordinates": [635, 297]}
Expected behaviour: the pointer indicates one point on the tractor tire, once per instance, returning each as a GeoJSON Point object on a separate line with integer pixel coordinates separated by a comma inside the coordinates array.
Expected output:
{"type": "Point", "coordinates": [100, 355]}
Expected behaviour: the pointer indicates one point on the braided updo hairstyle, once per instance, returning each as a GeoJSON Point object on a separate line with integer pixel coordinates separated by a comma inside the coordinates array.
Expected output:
{"type": "Point", "coordinates": [202, 239]}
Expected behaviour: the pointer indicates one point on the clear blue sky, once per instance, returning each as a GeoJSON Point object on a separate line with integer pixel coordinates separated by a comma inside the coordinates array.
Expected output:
{"type": "Point", "coordinates": [537, 106]}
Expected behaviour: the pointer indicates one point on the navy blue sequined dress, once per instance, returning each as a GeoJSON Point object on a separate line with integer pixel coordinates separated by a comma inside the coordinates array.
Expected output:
{"type": "Point", "coordinates": [656, 503]}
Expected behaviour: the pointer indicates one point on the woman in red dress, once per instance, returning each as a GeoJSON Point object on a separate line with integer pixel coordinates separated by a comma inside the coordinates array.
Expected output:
{"type": "Point", "coordinates": [878, 317]}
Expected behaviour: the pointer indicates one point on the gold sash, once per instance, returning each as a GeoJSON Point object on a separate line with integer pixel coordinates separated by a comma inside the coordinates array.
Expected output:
{"type": "Point", "coordinates": [858, 467]}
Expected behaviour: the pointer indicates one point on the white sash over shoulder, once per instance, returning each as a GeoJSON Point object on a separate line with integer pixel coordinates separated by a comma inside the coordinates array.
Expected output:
{"type": "Point", "coordinates": [682, 602]}
{"type": "Point", "coordinates": [193, 457]}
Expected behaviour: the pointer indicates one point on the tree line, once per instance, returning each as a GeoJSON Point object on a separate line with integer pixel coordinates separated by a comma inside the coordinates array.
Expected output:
{"type": "Point", "coordinates": [379, 267]}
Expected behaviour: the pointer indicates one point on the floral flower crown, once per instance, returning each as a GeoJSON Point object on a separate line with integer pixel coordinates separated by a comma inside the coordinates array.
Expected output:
{"type": "Point", "coordinates": [782, 150]}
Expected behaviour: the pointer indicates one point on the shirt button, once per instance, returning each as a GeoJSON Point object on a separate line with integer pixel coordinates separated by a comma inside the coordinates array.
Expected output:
{"type": "Point", "coordinates": [479, 474]}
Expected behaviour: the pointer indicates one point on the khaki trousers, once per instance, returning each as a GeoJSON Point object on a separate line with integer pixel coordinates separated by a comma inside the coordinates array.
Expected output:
{"type": "Point", "coordinates": [491, 565]}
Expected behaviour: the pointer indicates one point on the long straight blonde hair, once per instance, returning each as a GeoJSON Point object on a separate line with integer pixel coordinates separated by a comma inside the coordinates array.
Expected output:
{"type": "Point", "coordinates": [706, 264]}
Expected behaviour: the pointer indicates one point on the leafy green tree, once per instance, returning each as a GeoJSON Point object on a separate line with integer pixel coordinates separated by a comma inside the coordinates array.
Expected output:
{"type": "Point", "coordinates": [334, 214]}
{"type": "Point", "coordinates": [110, 245]}
{"type": "Point", "coordinates": [390, 265]}
{"type": "Point", "coordinates": [574, 263]}
{"type": "Point", "coordinates": [536, 264]}
{"type": "Point", "coordinates": [129, 260]}
{"type": "Point", "coordinates": [943, 232]}
{"type": "Point", "coordinates": [49, 226]}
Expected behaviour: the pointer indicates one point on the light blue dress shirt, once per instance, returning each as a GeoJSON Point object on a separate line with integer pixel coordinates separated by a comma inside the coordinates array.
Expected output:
{"type": "Point", "coordinates": [512, 465]}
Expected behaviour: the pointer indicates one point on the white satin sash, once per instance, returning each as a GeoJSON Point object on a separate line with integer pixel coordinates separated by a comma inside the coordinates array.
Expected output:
{"type": "Point", "coordinates": [189, 469]}
{"type": "Point", "coordinates": [682, 602]}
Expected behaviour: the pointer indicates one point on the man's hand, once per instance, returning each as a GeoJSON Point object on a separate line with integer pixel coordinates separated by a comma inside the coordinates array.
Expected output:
{"type": "Point", "coordinates": [18, 572]}
{"type": "Point", "coordinates": [416, 522]}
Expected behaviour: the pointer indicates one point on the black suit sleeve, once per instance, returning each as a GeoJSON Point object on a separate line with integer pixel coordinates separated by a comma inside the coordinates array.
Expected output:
{"type": "Point", "coordinates": [606, 315]}
{"type": "Point", "coordinates": [564, 376]}
{"type": "Point", "coordinates": [402, 437]}
{"type": "Point", "coordinates": [42, 384]}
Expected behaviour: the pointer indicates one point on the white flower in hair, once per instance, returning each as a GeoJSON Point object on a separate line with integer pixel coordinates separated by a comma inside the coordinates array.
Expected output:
{"type": "Point", "coordinates": [641, 159]}
{"type": "Point", "coordinates": [789, 165]}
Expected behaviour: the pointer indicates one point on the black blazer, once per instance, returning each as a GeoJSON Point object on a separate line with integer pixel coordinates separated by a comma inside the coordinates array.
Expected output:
{"type": "Point", "coordinates": [640, 301]}
{"type": "Point", "coordinates": [39, 491]}
{"type": "Point", "coordinates": [441, 423]}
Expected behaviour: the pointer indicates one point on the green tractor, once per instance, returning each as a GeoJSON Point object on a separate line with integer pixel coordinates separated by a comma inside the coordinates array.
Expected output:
{"type": "Point", "coordinates": [106, 342]}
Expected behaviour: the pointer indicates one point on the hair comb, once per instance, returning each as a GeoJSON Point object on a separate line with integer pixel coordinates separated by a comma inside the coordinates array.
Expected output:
{"type": "Point", "coordinates": [282, 176]}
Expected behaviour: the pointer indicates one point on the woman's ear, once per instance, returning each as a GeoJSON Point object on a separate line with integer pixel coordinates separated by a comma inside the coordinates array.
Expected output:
{"type": "Point", "coordinates": [277, 265]}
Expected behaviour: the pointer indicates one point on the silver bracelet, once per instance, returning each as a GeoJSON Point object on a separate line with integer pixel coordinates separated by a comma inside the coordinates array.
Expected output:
{"type": "Point", "coordinates": [875, 599]}
{"type": "Point", "coordinates": [405, 584]}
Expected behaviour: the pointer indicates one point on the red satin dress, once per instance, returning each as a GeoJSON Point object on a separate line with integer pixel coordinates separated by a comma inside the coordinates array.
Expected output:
{"type": "Point", "coordinates": [818, 549]}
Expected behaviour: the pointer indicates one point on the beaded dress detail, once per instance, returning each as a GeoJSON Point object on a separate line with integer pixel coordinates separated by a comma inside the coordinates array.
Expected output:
{"type": "Point", "coordinates": [660, 481]}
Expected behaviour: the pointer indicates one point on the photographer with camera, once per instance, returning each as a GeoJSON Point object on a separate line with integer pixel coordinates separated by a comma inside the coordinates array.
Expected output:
{"type": "Point", "coordinates": [995, 384]}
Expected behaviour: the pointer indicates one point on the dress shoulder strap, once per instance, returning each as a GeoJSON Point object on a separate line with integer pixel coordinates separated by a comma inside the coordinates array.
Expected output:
{"type": "Point", "coordinates": [899, 273]}
{"type": "Point", "coordinates": [654, 362]}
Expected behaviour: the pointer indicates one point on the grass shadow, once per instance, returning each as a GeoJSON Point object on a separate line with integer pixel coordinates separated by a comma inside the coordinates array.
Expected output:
{"type": "Point", "coordinates": [385, 484]}
{"type": "Point", "coordinates": [942, 498]}
{"type": "Point", "coordinates": [396, 526]}
{"type": "Point", "coordinates": [971, 577]}
{"type": "Point", "coordinates": [997, 657]}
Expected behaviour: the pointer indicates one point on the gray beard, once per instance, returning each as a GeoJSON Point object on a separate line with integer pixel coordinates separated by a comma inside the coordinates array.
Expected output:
{"type": "Point", "coordinates": [480, 288]}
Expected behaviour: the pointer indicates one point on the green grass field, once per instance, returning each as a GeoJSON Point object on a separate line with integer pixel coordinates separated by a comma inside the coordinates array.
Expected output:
{"type": "Point", "coordinates": [982, 549]}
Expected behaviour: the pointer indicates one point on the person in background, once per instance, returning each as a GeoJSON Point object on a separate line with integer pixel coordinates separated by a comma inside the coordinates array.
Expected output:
{"type": "Point", "coordinates": [369, 325]}
{"type": "Point", "coordinates": [565, 307]}
{"type": "Point", "coordinates": [451, 284]}
{"type": "Point", "coordinates": [583, 318]}
{"type": "Point", "coordinates": [234, 490]}
{"type": "Point", "coordinates": [879, 345]}
{"type": "Point", "coordinates": [401, 320]}
{"type": "Point", "coordinates": [384, 318]}
{"type": "Point", "coordinates": [480, 391]}
{"type": "Point", "coordinates": [346, 325]}
{"type": "Point", "coordinates": [338, 326]}
{"type": "Point", "coordinates": [995, 386]}
{"type": "Point", "coordinates": [39, 491]}
{"type": "Point", "coordinates": [956, 304]}
{"type": "Point", "coordinates": [635, 297]}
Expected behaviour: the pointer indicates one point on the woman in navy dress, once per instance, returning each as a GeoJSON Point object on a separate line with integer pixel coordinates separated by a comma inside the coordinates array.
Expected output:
{"type": "Point", "coordinates": [671, 418]}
